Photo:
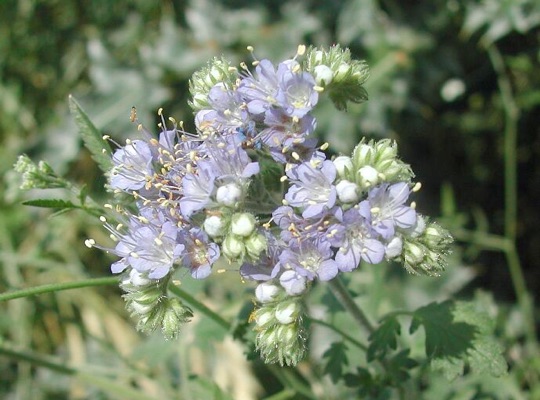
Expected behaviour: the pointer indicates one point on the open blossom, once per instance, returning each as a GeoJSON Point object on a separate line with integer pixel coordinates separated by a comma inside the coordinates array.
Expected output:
{"type": "Point", "coordinates": [310, 259]}
{"type": "Point", "coordinates": [148, 248]}
{"type": "Point", "coordinates": [132, 166]}
{"type": "Point", "coordinates": [312, 188]}
{"type": "Point", "coordinates": [356, 240]}
{"type": "Point", "coordinates": [387, 209]}
{"type": "Point", "coordinates": [199, 253]}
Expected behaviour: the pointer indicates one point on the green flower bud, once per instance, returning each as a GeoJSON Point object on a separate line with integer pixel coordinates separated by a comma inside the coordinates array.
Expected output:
{"type": "Point", "coordinates": [255, 245]}
{"type": "Point", "coordinates": [175, 315]}
{"type": "Point", "coordinates": [217, 71]}
{"type": "Point", "coordinates": [233, 247]}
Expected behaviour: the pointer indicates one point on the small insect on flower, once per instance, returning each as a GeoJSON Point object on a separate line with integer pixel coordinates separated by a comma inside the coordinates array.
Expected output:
{"type": "Point", "coordinates": [133, 114]}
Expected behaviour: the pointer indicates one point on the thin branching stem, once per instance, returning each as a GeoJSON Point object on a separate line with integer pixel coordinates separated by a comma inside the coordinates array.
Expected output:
{"type": "Point", "coordinates": [342, 294]}
{"type": "Point", "coordinates": [56, 287]}
{"type": "Point", "coordinates": [511, 118]}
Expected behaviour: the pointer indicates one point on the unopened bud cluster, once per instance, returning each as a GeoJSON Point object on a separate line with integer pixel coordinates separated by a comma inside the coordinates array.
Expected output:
{"type": "Point", "coordinates": [281, 335]}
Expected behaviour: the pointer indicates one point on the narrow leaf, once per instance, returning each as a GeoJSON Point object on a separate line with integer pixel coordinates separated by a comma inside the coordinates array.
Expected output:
{"type": "Point", "coordinates": [50, 203]}
{"type": "Point", "coordinates": [91, 136]}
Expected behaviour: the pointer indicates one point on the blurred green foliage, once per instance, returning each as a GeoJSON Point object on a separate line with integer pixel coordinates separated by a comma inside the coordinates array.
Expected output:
{"type": "Point", "coordinates": [435, 86]}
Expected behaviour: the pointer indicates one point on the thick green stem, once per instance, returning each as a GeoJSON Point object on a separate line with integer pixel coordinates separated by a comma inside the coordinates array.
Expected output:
{"type": "Point", "coordinates": [511, 118]}
{"type": "Point", "coordinates": [342, 294]}
{"type": "Point", "coordinates": [56, 287]}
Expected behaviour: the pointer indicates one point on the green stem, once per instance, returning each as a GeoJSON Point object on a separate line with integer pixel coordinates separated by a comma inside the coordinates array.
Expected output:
{"type": "Point", "coordinates": [511, 119]}
{"type": "Point", "coordinates": [345, 336]}
{"type": "Point", "coordinates": [342, 294]}
{"type": "Point", "coordinates": [56, 287]}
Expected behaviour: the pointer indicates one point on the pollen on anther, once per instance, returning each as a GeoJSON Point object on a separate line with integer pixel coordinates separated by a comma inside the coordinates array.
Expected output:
{"type": "Point", "coordinates": [417, 187]}
{"type": "Point", "coordinates": [89, 243]}
{"type": "Point", "coordinates": [103, 219]}
{"type": "Point", "coordinates": [413, 205]}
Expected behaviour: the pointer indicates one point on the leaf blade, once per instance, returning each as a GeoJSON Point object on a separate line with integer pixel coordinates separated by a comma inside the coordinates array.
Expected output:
{"type": "Point", "coordinates": [92, 138]}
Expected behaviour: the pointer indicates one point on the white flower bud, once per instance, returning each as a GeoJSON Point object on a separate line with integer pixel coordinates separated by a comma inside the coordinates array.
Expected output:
{"type": "Point", "coordinates": [394, 248]}
{"type": "Point", "coordinates": [347, 191]}
{"type": "Point", "coordinates": [343, 164]}
{"type": "Point", "coordinates": [213, 225]}
{"type": "Point", "coordinates": [263, 318]}
{"type": "Point", "coordinates": [228, 194]}
{"type": "Point", "coordinates": [286, 315]}
{"type": "Point", "coordinates": [266, 292]}
{"type": "Point", "coordinates": [323, 75]}
{"type": "Point", "coordinates": [368, 176]}
{"type": "Point", "coordinates": [243, 224]}
{"type": "Point", "coordinates": [363, 154]}
{"type": "Point", "coordinates": [342, 71]}
{"type": "Point", "coordinates": [138, 279]}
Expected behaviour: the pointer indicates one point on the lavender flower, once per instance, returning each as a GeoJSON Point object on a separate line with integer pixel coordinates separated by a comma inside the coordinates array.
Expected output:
{"type": "Point", "coordinates": [388, 211]}
{"type": "Point", "coordinates": [356, 240]}
{"type": "Point", "coordinates": [310, 259]}
{"type": "Point", "coordinates": [132, 166]}
{"type": "Point", "coordinates": [312, 188]}
{"type": "Point", "coordinates": [199, 253]}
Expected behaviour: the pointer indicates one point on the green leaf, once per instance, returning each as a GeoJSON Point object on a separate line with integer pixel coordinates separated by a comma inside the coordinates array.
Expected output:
{"type": "Point", "coordinates": [399, 365]}
{"type": "Point", "coordinates": [337, 359]}
{"type": "Point", "coordinates": [457, 334]}
{"type": "Point", "coordinates": [383, 338]}
{"type": "Point", "coordinates": [50, 203]}
{"type": "Point", "coordinates": [92, 137]}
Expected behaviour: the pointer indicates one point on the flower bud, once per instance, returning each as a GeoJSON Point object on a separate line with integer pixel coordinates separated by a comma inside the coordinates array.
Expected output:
{"type": "Point", "coordinates": [213, 225]}
{"type": "Point", "coordinates": [343, 166]}
{"type": "Point", "coordinates": [243, 224]}
{"type": "Point", "coordinates": [233, 247]}
{"type": "Point", "coordinates": [266, 292]}
{"type": "Point", "coordinates": [255, 245]}
{"type": "Point", "coordinates": [367, 177]}
{"type": "Point", "coordinates": [347, 192]}
{"type": "Point", "coordinates": [394, 247]}
{"type": "Point", "coordinates": [286, 313]}
{"type": "Point", "coordinates": [323, 75]}
{"type": "Point", "coordinates": [228, 194]}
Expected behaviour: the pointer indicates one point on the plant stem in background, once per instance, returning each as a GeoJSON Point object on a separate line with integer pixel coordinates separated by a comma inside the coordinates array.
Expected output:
{"type": "Point", "coordinates": [342, 294]}
{"type": "Point", "coordinates": [56, 287]}
{"type": "Point", "coordinates": [511, 117]}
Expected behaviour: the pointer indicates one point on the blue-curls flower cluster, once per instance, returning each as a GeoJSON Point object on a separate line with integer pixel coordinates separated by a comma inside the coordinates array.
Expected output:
{"type": "Point", "coordinates": [205, 197]}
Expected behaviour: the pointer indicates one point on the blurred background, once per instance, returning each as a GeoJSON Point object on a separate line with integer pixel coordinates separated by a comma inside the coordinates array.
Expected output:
{"type": "Point", "coordinates": [455, 83]}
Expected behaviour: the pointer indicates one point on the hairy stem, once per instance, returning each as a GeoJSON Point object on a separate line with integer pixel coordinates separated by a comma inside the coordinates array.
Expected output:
{"type": "Point", "coordinates": [342, 294]}
{"type": "Point", "coordinates": [56, 287]}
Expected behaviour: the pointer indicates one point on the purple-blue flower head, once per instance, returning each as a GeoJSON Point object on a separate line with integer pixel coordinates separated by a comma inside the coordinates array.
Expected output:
{"type": "Point", "coordinates": [296, 94]}
{"type": "Point", "coordinates": [146, 247]}
{"type": "Point", "coordinates": [199, 252]}
{"type": "Point", "coordinates": [355, 240]}
{"type": "Point", "coordinates": [228, 111]}
{"type": "Point", "coordinates": [132, 166]}
{"type": "Point", "coordinates": [198, 187]}
{"type": "Point", "coordinates": [387, 209]}
{"type": "Point", "coordinates": [311, 259]}
{"type": "Point", "coordinates": [312, 187]}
